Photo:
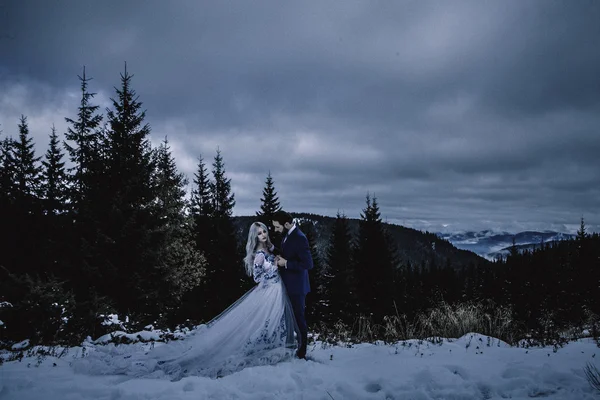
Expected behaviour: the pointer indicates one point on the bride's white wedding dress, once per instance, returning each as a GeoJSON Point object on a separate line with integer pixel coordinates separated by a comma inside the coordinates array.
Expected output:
{"type": "Point", "coordinates": [257, 329]}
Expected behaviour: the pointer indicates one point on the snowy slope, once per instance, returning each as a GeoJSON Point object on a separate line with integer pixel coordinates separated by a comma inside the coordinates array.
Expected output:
{"type": "Point", "coordinates": [472, 367]}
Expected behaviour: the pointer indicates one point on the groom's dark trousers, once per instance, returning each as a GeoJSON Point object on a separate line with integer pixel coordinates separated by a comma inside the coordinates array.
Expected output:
{"type": "Point", "coordinates": [295, 249]}
{"type": "Point", "coordinates": [299, 305]}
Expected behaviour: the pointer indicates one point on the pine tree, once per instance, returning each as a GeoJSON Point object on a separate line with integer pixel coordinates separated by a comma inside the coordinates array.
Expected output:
{"type": "Point", "coordinates": [3, 174]}
{"type": "Point", "coordinates": [594, 245]}
{"type": "Point", "coordinates": [182, 266]}
{"type": "Point", "coordinates": [129, 235]}
{"type": "Point", "coordinates": [202, 208]}
{"type": "Point", "coordinates": [341, 296]}
{"type": "Point", "coordinates": [317, 299]}
{"type": "Point", "coordinates": [41, 308]}
{"type": "Point", "coordinates": [84, 152]}
{"type": "Point", "coordinates": [27, 171]}
{"type": "Point", "coordinates": [8, 214]}
{"type": "Point", "coordinates": [202, 200]}
{"type": "Point", "coordinates": [170, 186]}
{"type": "Point", "coordinates": [223, 198]}
{"type": "Point", "coordinates": [57, 225]}
{"type": "Point", "coordinates": [581, 232]}
{"type": "Point", "coordinates": [54, 187]}
{"type": "Point", "coordinates": [28, 227]}
{"type": "Point", "coordinates": [128, 148]}
{"type": "Point", "coordinates": [394, 264]}
{"type": "Point", "coordinates": [196, 304]}
{"type": "Point", "coordinates": [586, 285]}
{"type": "Point", "coordinates": [88, 205]}
{"type": "Point", "coordinates": [270, 204]}
{"type": "Point", "coordinates": [224, 256]}
{"type": "Point", "coordinates": [7, 173]}
{"type": "Point", "coordinates": [374, 265]}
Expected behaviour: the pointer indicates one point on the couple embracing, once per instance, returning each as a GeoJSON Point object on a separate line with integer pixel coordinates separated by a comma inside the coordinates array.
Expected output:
{"type": "Point", "coordinates": [292, 265]}
{"type": "Point", "coordinates": [265, 326]}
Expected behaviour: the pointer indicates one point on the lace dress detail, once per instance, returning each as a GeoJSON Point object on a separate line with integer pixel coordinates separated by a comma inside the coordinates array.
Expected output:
{"type": "Point", "coordinates": [265, 270]}
{"type": "Point", "coordinates": [266, 274]}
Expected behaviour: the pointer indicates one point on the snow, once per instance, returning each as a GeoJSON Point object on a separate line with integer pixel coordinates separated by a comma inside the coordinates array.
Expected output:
{"type": "Point", "coordinates": [472, 367]}
{"type": "Point", "coordinates": [132, 337]}
{"type": "Point", "coordinates": [147, 335]}
{"type": "Point", "coordinates": [21, 345]}
{"type": "Point", "coordinates": [111, 319]}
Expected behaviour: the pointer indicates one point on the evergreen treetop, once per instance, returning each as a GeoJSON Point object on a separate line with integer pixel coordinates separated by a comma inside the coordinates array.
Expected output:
{"type": "Point", "coordinates": [270, 202]}
{"type": "Point", "coordinates": [54, 186]}
{"type": "Point", "coordinates": [269, 206]}
{"type": "Point", "coordinates": [26, 164]}
{"type": "Point", "coordinates": [223, 198]}
{"type": "Point", "coordinates": [202, 201]}
{"type": "Point", "coordinates": [169, 182]}
{"type": "Point", "coordinates": [7, 170]}
{"type": "Point", "coordinates": [82, 132]}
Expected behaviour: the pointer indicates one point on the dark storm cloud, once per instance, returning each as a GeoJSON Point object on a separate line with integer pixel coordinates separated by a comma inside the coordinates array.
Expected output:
{"type": "Point", "coordinates": [463, 113]}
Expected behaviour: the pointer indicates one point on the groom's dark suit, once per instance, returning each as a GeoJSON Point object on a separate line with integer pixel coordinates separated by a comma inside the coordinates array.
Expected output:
{"type": "Point", "coordinates": [295, 249]}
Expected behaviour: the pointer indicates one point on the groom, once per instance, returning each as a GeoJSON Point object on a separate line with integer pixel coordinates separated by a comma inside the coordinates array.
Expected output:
{"type": "Point", "coordinates": [294, 262]}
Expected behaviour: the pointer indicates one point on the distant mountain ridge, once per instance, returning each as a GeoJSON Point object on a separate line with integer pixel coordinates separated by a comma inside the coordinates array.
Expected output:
{"type": "Point", "coordinates": [414, 246]}
{"type": "Point", "coordinates": [491, 244]}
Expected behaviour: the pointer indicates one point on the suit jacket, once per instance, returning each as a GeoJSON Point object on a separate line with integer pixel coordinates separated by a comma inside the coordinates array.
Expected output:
{"type": "Point", "coordinates": [296, 251]}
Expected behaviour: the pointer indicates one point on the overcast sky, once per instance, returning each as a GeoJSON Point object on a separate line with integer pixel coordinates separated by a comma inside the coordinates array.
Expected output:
{"type": "Point", "coordinates": [455, 114]}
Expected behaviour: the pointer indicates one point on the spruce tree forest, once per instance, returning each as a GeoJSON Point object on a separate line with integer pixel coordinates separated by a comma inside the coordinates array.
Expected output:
{"type": "Point", "coordinates": [103, 223]}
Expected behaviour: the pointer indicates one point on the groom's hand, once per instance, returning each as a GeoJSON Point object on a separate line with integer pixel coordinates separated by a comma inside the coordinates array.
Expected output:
{"type": "Point", "coordinates": [282, 262]}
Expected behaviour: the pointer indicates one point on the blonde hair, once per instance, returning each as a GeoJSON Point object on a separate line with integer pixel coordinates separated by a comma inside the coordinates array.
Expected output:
{"type": "Point", "coordinates": [252, 244]}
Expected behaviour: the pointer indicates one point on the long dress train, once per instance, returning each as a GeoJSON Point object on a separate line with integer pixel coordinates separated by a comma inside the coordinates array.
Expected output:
{"type": "Point", "coordinates": [257, 329]}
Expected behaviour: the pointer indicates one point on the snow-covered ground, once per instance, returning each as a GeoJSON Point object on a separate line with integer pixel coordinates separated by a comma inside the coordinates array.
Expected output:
{"type": "Point", "coordinates": [472, 367]}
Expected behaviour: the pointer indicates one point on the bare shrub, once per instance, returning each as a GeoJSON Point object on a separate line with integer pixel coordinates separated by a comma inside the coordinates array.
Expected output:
{"type": "Point", "coordinates": [593, 376]}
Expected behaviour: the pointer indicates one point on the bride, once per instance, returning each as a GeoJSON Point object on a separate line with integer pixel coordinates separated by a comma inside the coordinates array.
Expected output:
{"type": "Point", "coordinates": [257, 329]}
